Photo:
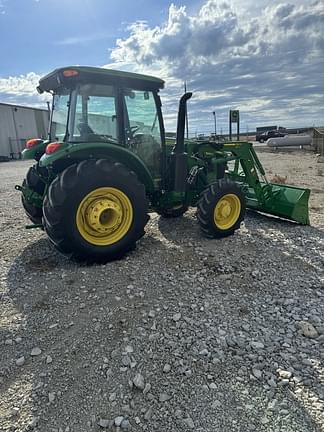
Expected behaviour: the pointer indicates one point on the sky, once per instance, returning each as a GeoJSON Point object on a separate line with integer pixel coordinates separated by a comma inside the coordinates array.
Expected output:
{"type": "Point", "coordinates": [265, 58]}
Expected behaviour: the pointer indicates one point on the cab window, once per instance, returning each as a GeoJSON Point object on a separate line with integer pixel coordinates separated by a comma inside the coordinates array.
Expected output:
{"type": "Point", "coordinates": [95, 115]}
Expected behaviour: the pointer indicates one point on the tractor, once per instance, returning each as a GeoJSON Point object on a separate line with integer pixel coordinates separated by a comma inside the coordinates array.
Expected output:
{"type": "Point", "coordinates": [107, 163]}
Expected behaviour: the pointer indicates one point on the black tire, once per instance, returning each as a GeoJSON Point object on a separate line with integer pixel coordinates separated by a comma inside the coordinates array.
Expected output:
{"type": "Point", "coordinates": [35, 214]}
{"type": "Point", "coordinates": [173, 212]}
{"type": "Point", "coordinates": [65, 195]}
{"type": "Point", "coordinates": [33, 182]}
{"type": "Point", "coordinates": [207, 203]}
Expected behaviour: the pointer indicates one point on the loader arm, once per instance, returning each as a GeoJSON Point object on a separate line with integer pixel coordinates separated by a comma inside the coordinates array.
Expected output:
{"type": "Point", "coordinates": [280, 200]}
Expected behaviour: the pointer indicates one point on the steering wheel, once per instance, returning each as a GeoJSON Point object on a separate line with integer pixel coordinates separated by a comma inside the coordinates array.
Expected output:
{"type": "Point", "coordinates": [130, 131]}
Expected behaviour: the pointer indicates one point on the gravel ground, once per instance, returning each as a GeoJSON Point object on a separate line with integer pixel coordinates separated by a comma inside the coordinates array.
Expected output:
{"type": "Point", "coordinates": [183, 334]}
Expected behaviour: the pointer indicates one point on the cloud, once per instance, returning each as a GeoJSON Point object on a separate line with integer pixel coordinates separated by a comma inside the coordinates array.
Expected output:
{"type": "Point", "coordinates": [22, 90]}
{"type": "Point", "coordinates": [2, 8]}
{"type": "Point", "coordinates": [214, 29]}
{"type": "Point", "coordinates": [267, 61]}
{"type": "Point", "coordinates": [83, 39]}
{"type": "Point", "coordinates": [17, 85]}
{"type": "Point", "coordinates": [269, 66]}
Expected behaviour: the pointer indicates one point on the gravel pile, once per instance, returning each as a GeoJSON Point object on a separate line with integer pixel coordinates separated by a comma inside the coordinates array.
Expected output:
{"type": "Point", "coordinates": [185, 334]}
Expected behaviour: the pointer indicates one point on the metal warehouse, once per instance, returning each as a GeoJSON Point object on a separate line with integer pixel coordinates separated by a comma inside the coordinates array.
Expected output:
{"type": "Point", "coordinates": [18, 124]}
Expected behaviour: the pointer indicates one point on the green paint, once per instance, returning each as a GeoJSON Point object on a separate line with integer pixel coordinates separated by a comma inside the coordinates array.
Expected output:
{"type": "Point", "coordinates": [77, 152]}
{"type": "Point", "coordinates": [34, 151]}
{"type": "Point", "coordinates": [285, 201]}
{"type": "Point", "coordinates": [31, 196]}
{"type": "Point", "coordinates": [279, 200]}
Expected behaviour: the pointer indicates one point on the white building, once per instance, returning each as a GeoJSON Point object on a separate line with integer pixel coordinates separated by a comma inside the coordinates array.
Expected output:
{"type": "Point", "coordinates": [18, 124]}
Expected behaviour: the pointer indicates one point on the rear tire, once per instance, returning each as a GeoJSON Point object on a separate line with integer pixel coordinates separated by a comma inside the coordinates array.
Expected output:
{"type": "Point", "coordinates": [221, 209]}
{"type": "Point", "coordinates": [95, 211]}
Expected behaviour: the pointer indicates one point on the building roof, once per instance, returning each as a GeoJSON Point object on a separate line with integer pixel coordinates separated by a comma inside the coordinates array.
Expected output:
{"type": "Point", "coordinates": [12, 105]}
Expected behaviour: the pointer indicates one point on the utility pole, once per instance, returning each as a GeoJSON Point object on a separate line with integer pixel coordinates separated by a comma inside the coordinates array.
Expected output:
{"type": "Point", "coordinates": [230, 125]}
{"type": "Point", "coordinates": [214, 114]}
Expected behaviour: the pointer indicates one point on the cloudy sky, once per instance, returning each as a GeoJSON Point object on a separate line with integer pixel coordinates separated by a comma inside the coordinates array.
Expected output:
{"type": "Point", "coordinates": [265, 58]}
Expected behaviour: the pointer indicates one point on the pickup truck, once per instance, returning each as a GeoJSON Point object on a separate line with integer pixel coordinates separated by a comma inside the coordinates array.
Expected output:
{"type": "Point", "coordinates": [269, 134]}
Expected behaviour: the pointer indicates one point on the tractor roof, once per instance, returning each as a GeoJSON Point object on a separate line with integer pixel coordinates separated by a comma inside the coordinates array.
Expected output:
{"type": "Point", "coordinates": [72, 75]}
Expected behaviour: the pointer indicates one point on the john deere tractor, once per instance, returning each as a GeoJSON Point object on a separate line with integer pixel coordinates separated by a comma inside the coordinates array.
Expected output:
{"type": "Point", "coordinates": [106, 164]}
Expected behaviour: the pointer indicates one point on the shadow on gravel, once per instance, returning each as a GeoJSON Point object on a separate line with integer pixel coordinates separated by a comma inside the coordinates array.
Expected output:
{"type": "Point", "coordinates": [75, 314]}
{"type": "Point", "coordinates": [286, 236]}
{"type": "Point", "coordinates": [189, 226]}
{"type": "Point", "coordinates": [27, 281]}
{"type": "Point", "coordinates": [179, 229]}
{"type": "Point", "coordinates": [277, 221]}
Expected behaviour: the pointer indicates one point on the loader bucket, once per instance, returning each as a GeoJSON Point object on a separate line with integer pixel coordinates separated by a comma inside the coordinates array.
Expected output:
{"type": "Point", "coordinates": [284, 201]}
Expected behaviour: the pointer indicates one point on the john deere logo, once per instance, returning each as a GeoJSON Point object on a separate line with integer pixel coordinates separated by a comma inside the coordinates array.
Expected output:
{"type": "Point", "coordinates": [235, 116]}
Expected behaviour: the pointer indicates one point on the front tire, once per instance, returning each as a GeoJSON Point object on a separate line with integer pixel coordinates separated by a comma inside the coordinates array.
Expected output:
{"type": "Point", "coordinates": [35, 214]}
{"type": "Point", "coordinates": [34, 183]}
{"type": "Point", "coordinates": [95, 211]}
{"type": "Point", "coordinates": [221, 209]}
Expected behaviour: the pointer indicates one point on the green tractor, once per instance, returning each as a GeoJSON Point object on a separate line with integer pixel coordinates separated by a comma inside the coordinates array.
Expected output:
{"type": "Point", "coordinates": [107, 163]}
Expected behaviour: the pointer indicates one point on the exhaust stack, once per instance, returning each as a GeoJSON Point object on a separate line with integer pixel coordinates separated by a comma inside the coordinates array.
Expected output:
{"type": "Point", "coordinates": [180, 157]}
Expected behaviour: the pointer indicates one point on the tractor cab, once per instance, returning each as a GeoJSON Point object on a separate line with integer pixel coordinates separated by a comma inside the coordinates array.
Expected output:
{"type": "Point", "coordinates": [92, 105]}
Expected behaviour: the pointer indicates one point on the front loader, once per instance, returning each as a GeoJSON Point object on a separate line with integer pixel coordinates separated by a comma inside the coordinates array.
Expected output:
{"type": "Point", "coordinates": [106, 164]}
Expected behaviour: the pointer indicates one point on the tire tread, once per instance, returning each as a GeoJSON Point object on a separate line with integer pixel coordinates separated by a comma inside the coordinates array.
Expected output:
{"type": "Point", "coordinates": [207, 203]}
{"type": "Point", "coordinates": [63, 186]}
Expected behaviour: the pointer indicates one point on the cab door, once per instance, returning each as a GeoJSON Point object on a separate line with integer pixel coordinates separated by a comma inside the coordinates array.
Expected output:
{"type": "Point", "coordinates": [143, 131]}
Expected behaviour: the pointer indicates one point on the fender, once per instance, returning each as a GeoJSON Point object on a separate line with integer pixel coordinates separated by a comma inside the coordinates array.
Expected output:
{"type": "Point", "coordinates": [97, 150]}
{"type": "Point", "coordinates": [34, 152]}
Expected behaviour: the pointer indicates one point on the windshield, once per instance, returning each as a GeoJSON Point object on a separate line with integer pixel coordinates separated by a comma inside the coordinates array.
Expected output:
{"type": "Point", "coordinates": [60, 115]}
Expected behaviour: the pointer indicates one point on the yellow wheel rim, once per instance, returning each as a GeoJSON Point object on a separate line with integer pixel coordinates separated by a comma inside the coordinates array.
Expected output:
{"type": "Point", "coordinates": [104, 216]}
{"type": "Point", "coordinates": [227, 211]}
